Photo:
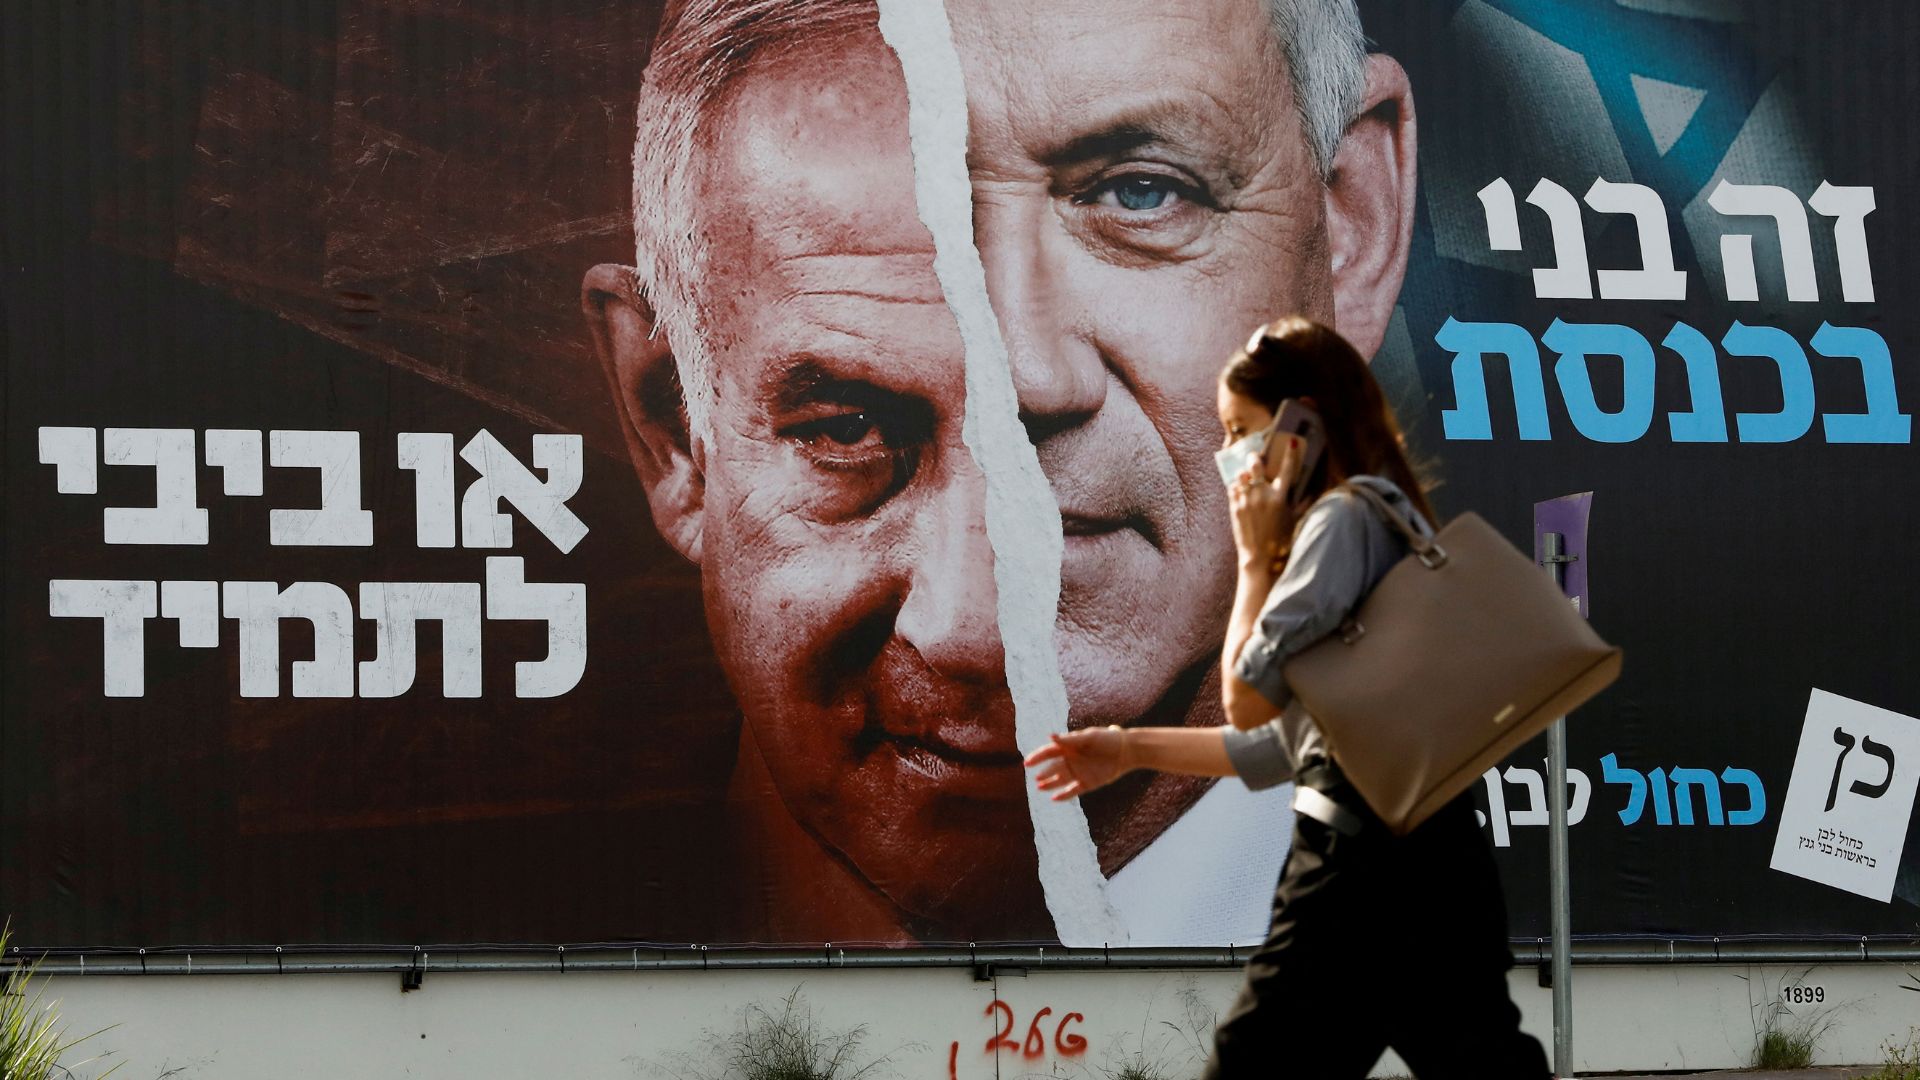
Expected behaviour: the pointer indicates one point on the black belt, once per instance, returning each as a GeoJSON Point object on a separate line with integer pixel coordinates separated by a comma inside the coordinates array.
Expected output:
{"type": "Point", "coordinates": [1323, 793]}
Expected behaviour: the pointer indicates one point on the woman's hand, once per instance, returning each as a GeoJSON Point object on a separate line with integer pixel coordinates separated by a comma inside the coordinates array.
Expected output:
{"type": "Point", "coordinates": [1081, 761]}
{"type": "Point", "coordinates": [1263, 515]}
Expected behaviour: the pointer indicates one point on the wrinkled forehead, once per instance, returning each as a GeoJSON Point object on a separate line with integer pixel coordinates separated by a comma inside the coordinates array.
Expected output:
{"type": "Point", "coordinates": [807, 158]}
{"type": "Point", "coordinates": [1038, 71]}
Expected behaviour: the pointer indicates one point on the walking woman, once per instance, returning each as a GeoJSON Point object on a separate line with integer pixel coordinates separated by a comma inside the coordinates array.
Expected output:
{"type": "Point", "coordinates": [1376, 940]}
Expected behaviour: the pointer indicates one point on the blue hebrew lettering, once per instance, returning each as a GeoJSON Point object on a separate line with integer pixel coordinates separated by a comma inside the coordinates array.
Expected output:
{"type": "Point", "coordinates": [1612, 773]}
{"type": "Point", "coordinates": [1795, 417]}
{"type": "Point", "coordinates": [1709, 786]}
{"type": "Point", "coordinates": [1470, 344]}
{"type": "Point", "coordinates": [1576, 342]}
{"type": "Point", "coordinates": [1757, 796]}
{"type": "Point", "coordinates": [1883, 422]}
{"type": "Point", "coordinates": [1707, 422]}
{"type": "Point", "coordinates": [1662, 809]}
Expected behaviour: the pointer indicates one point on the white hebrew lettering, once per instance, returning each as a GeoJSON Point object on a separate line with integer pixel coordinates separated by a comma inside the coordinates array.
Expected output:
{"type": "Point", "coordinates": [123, 608]}
{"type": "Point", "coordinates": [1736, 249]}
{"type": "Point", "coordinates": [1503, 218]}
{"type": "Point", "coordinates": [563, 607]}
{"type": "Point", "coordinates": [1568, 278]}
{"type": "Point", "coordinates": [75, 458]}
{"type": "Point", "coordinates": [1656, 279]}
{"type": "Point", "coordinates": [429, 456]}
{"type": "Point", "coordinates": [340, 521]}
{"type": "Point", "coordinates": [195, 605]}
{"type": "Point", "coordinates": [1536, 811]}
{"type": "Point", "coordinates": [395, 608]}
{"type": "Point", "coordinates": [542, 503]}
{"type": "Point", "coordinates": [175, 516]}
{"type": "Point", "coordinates": [1849, 207]}
{"type": "Point", "coordinates": [260, 606]}
{"type": "Point", "coordinates": [237, 454]}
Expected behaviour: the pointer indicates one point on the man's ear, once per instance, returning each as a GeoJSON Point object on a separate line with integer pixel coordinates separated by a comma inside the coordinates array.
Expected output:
{"type": "Point", "coordinates": [646, 389]}
{"type": "Point", "coordinates": [1370, 206]}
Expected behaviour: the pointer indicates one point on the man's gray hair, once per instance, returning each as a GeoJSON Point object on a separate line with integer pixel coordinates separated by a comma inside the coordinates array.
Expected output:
{"type": "Point", "coordinates": [1327, 65]}
{"type": "Point", "coordinates": [704, 45]}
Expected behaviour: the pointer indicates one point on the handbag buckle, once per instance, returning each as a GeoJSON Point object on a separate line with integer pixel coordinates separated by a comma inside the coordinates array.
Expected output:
{"type": "Point", "coordinates": [1434, 557]}
{"type": "Point", "coordinates": [1351, 631]}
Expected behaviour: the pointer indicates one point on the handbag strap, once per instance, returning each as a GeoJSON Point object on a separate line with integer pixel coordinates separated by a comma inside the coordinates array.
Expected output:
{"type": "Point", "coordinates": [1429, 551]}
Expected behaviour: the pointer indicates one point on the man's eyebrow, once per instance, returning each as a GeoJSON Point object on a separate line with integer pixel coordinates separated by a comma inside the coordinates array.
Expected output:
{"type": "Point", "coordinates": [805, 379]}
{"type": "Point", "coordinates": [1105, 143]}
{"type": "Point", "coordinates": [1171, 122]}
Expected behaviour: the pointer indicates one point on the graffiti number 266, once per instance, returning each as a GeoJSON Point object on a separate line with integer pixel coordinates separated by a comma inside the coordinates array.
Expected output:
{"type": "Point", "coordinates": [1065, 1042]}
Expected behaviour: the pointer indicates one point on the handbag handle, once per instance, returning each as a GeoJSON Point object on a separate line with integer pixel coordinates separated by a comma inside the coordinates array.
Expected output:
{"type": "Point", "coordinates": [1426, 548]}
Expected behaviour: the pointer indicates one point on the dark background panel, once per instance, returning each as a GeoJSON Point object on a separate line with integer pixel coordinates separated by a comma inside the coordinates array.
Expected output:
{"type": "Point", "coordinates": [370, 215]}
{"type": "Point", "coordinates": [1737, 577]}
{"type": "Point", "coordinates": [356, 216]}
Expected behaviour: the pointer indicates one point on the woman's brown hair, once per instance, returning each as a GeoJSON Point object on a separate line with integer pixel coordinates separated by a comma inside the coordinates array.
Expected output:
{"type": "Point", "coordinates": [1295, 357]}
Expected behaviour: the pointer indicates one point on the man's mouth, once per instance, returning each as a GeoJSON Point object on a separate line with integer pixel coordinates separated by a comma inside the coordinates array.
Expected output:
{"type": "Point", "coordinates": [937, 758]}
{"type": "Point", "coordinates": [971, 741]}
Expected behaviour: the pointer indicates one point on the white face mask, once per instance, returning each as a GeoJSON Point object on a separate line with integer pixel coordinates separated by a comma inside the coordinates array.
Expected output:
{"type": "Point", "coordinates": [1234, 459]}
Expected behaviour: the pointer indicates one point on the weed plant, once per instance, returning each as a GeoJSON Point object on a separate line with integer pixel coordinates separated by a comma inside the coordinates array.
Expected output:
{"type": "Point", "coordinates": [1783, 1050]}
{"type": "Point", "coordinates": [32, 1038]}
{"type": "Point", "coordinates": [1782, 1038]}
{"type": "Point", "coordinates": [782, 1043]}
{"type": "Point", "coordinates": [1165, 1049]}
{"type": "Point", "coordinates": [1903, 1061]}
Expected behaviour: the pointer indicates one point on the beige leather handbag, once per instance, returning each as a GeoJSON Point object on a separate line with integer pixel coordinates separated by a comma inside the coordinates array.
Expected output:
{"type": "Point", "coordinates": [1462, 652]}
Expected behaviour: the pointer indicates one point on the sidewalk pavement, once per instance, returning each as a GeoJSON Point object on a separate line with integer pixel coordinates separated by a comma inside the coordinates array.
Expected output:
{"type": "Point", "coordinates": [1849, 1073]}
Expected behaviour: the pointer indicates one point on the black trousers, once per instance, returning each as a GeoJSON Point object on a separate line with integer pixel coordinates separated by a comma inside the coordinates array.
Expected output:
{"type": "Point", "coordinates": [1381, 941]}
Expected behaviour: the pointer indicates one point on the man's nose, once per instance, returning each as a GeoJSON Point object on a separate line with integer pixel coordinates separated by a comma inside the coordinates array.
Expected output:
{"type": "Point", "coordinates": [1058, 376]}
{"type": "Point", "coordinates": [950, 614]}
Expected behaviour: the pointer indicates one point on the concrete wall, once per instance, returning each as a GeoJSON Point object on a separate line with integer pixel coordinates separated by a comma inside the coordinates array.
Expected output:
{"type": "Point", "coordinates": [929, 1024]}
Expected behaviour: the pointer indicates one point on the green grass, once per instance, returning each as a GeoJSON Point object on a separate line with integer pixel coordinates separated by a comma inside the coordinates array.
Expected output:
{"type": "Point", "coordinates": [32, 1038]}
{"type": "Point", "coordinates": [1782, 1037]}
{"type": "Point", "coordinates": [1783, 1050]}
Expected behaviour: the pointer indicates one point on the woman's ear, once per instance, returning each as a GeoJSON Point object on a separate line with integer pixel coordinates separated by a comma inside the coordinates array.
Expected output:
{"type": "Point", "coordinates": [639, 366]}
{"type": "Point", "coordinates": [1370, 207]}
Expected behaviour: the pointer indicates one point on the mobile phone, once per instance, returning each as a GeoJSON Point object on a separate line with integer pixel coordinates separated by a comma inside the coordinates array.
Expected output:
{"type": "Point", "coordinates": [1295, 420]}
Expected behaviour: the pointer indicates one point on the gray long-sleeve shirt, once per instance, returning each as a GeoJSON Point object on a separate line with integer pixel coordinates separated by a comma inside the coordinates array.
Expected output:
{"type": "Point", "coordinates": [1343, 549]}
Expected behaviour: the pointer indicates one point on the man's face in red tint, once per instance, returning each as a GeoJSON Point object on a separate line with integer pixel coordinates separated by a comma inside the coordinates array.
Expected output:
{"type": "Point", "coordinates": [847, 573]}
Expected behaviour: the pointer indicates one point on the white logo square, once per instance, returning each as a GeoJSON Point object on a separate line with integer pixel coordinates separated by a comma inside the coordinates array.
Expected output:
{"type": "Point", "coordinates": [1844, 822]}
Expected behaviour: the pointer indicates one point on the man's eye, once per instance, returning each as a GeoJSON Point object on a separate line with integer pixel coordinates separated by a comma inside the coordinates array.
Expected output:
{"type": "Point", "coordinates": [849, 429]}
{"type": "Point", "coordinates": [852, 445]}
{"type": "Point", "coordinates": [1140, 193]}
{"type": "Point", "coordinates": [851, 436]}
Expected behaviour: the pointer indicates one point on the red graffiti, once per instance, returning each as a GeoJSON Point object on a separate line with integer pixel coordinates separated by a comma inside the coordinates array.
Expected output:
{"type": "Point", "coordinates": [1065, 1043]}
{"type": "Point", "coordinates": [1036, 1044]}
{"type": "Point", "coordinates": [994, 1044]}
{"type": "Point", "coordinates": [953, 1061]}
{"type": "Point", "coordinates": [1069, 1045]}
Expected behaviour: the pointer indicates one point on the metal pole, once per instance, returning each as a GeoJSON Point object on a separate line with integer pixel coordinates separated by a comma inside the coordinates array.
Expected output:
{"type": "Point", "coordinates": [1561, 900]}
